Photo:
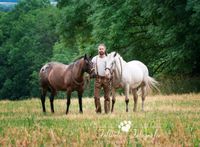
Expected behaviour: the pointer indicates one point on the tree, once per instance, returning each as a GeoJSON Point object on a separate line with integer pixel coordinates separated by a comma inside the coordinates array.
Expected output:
{"type": "Point", "coordinates": [74, 29]}
{"type": "Point", "coordinates": [27, 46]}
{"type": "Point", "coordinates": [175, 29]}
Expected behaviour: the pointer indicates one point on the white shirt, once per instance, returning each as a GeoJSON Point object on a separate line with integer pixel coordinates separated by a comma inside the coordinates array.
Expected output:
{"type": "Point", "coordinates": [100, 65]}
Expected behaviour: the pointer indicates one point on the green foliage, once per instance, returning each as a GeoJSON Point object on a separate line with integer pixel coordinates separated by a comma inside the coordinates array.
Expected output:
{"type": "Point", "coordinates": [163, 35]}
{"type": "Point", "coordinates": [176, 32]}
{"type": "Point", "coordinates": [73, 28]}
{"type": "Point", "coordinates": [27, 43]}
{"type": "Point", "coordinates": [179, 84]}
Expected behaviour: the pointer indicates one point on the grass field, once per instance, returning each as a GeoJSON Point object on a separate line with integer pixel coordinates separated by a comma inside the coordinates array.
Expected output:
{"type": "Point", "coordinates": [172, 120]}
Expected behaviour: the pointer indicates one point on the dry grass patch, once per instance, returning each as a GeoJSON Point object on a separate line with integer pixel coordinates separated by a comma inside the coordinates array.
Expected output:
{"type": "Point", "coordinates": [172, 120]}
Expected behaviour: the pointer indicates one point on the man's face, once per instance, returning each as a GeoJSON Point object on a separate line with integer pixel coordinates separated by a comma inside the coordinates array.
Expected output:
{"type": "Point", "coordinates": [101, 50]}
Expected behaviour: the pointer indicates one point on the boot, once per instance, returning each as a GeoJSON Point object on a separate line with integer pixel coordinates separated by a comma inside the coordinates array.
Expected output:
{"type": "Point", "coordinates": [97, 105]}
{"type": "Point", "coordinates": [107, 106]}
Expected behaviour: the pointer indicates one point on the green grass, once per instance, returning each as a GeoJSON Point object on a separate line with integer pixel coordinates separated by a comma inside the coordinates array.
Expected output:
{"type": "Point", "coordinates": [172, 120]}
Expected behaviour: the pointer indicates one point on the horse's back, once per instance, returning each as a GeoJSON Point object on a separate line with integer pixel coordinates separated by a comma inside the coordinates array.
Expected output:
{"type": "Point", "coordinates": [135, 73]}
{"type": "Point", "coordinates": [132, 71]}
{"type": "Point", "coordinates": [57, 76]}
{"type": "Point", "coordinates": [48, 67]}
{"type": "Point", "coordinates": [141, 65]}
{"type": "Point", "coordinates": [52, 73]}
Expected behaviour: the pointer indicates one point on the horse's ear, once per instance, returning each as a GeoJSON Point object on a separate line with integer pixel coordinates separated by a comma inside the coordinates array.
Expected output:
{"type": "Point", "coordinates": [115, 54]}
{"type": "Point", "coordinates": [85, 57]}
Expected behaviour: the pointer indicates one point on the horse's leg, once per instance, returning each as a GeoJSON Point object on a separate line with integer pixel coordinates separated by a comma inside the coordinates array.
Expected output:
{"type": "Point", "coordinates": [43, 95]}
{"type": "Point", "coordinates": [113, 99]}
{"type": "Point", "coordinates": [106, 89]}
{"type": "Point", "coordinates": [68, 101]}
{"type": "Point", "coordinates": [127, 96]}
{"type": "Point", "coordinates": [135, 96]}
{"type": "Point", "coordinates": [53, 93]}
{"type": "Point", "coordinates": [80, 101]}
{"type": "Point", "coordinates": [144, 93]}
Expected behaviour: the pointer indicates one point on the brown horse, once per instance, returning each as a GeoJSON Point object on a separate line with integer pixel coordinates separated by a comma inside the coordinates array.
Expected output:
{"type": "Point", "coordinates": [56, 76]}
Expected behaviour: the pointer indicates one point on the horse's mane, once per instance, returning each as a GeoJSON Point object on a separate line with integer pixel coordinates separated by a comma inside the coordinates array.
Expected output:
{"type": "Point", "coordinates": [113, 53]}
{"type": "Point", "coordinates": [74, 62]}
{"type": "Point", "coordinates": [50, 64]}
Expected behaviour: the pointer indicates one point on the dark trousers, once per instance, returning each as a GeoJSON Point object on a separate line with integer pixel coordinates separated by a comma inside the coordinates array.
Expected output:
{"type": "Point", "coordinates": [99, 83]}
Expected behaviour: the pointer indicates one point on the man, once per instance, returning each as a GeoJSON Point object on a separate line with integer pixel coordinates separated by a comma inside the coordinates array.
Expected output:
{"type": "Point", "coordinates": [101, 81]}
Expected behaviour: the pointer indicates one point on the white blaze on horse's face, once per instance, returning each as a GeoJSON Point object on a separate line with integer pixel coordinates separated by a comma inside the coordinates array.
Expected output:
{"type": "Point", "coordinates": [110, 63]}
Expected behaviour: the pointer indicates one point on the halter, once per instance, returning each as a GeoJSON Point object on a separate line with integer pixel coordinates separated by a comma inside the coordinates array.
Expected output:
{"type": "Point", "coordinates": [80, 83]}
{"type": "Point", "coordinates": [111, 72]}
{"type": "Point", "coordinates": [92, 70]}
{"type": "Point", "coordinates": [110, 81]}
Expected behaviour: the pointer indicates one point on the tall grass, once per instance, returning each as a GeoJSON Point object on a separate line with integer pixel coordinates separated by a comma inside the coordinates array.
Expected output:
{"type": "Point", "coordinates": [172, 120]}
{"type": "Point", "coordinates": [179, 84]}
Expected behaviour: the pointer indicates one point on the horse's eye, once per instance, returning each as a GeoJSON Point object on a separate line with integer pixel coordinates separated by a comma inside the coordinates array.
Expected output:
{"type": "Point", "coordinates": [87, 62]}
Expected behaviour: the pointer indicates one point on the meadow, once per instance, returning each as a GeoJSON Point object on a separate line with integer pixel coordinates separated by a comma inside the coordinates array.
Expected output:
{"type": "Point", "coordinates": [168, 120]}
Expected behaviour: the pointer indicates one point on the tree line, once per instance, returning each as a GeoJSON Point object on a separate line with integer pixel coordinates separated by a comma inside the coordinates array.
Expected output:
{"type": "Point", "coordinates": [162, 34]}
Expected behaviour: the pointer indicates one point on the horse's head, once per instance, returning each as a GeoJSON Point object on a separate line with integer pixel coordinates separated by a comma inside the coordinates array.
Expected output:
{"type": "Point", "coordinates": [110, 64]}
{"type": "Point", "coordinates": [89, 66]}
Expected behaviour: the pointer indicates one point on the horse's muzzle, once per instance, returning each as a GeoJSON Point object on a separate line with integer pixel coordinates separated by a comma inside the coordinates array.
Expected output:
{"type": "Point", "coordinates": [93, 75]}
{"type": "Point", "coordinates": [107, 75]}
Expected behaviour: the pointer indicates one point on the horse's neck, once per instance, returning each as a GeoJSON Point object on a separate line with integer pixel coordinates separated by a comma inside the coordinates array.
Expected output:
{"type": "Point", "coordinates": [119, 67]}
{"type": "Point", "coordinates": [77, 70]}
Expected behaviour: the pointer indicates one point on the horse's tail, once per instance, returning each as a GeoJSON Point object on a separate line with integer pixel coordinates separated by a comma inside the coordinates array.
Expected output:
{"type": "Point", "coordinates": [152, 84]}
